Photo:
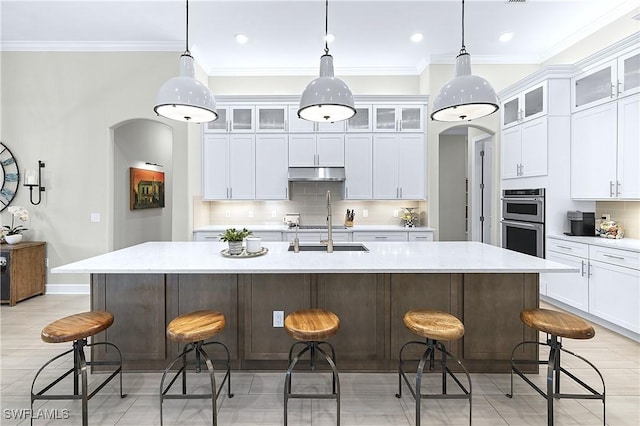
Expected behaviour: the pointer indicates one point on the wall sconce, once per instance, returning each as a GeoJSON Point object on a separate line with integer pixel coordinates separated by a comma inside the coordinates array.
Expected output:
{"type": "Point", "coordinates": [34, 180]}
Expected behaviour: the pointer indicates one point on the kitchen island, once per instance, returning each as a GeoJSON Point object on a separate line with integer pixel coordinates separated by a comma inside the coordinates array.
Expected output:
{"type": "Point", "coordinates": [147, 285]}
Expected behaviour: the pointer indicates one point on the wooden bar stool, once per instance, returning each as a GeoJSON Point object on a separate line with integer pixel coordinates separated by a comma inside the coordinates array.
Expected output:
{"type": "Point", "coordinates": [557, 325]}
{"type": "Point", "coordinates": [434, 326]}
{"type": "Point", "coordinates": [310, 327]}
{"type": "Point", "coordinates": [76, 328]}
{"type": "Point", "coordinates": [193, 329]}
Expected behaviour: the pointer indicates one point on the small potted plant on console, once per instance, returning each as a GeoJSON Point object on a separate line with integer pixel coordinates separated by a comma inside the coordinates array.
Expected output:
{"type": "Point", "coordinates": [234, 237]}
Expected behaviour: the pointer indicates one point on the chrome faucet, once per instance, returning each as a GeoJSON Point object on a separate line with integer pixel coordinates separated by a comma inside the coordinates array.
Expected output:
{"type": "Point", "coordinates": [296, 241]}
{"type": "Point", "coordinates": [329, 240]}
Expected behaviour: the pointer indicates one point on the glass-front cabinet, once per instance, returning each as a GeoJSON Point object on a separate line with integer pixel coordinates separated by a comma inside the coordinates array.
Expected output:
{"type": "Point", "coordinates": [232, 119]}
{"type": "Point", "coordinates": [271, 118]}
{"type": "Point", "coordinates": [607, 81]}
{"type": "Point", "coordinates": [361, 122]}
{"type": "Point", "coordinates": [530, 104]}
{"type": "Point", "coordinates": [403, 118]}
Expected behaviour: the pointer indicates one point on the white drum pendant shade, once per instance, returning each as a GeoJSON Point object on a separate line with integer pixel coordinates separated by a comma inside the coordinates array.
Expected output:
{"type": "Point", "coordinates": [466, 97]}
{"type": "Point", "coordinates": [327, 98]}
{"type": "Point", "coordinates": [184, 98]}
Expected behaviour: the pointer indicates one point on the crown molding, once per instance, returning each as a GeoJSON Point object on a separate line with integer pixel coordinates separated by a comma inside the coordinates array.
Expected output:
{"type": "Point", "coordinates": [92, 46]}
{"type": "Point", "coordinates": [546, 73]}
{"type": "Point", "coordinates": [450, 59]}
{"type": "Point", "coordinates": [309, 72]}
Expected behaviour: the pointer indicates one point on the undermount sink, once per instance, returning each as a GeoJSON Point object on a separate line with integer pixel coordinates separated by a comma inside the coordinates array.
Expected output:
{"type": "Point", "coordinates": [322, 247]}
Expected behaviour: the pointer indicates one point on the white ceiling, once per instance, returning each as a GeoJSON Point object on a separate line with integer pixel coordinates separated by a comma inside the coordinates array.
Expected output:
{"type": "Point", "coordinates": [286, 37]}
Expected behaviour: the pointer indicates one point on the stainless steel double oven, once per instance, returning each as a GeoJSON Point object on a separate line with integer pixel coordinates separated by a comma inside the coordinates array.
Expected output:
{"type": "Point", "coordinates": [523, 215]}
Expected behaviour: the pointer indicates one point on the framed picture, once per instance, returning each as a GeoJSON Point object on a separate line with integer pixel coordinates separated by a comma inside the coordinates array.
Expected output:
{"type": "Point", "coordinates": [147, 189]}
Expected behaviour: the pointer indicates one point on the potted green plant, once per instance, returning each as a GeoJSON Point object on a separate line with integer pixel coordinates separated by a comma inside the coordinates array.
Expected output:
{"type": "Point", "coordinates": [234, 237]}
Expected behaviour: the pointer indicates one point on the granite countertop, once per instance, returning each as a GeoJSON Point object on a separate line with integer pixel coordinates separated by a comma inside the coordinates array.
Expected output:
{"type": "Point", "coordinates": [623, 243]}
{"type": "Point", "coordinates": [285, 228]}
{"type": "Point", "coordinates": [383, 257]}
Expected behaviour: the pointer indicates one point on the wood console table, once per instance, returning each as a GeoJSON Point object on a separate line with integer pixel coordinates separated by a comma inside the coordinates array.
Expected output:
{"type": "Point", "coordinates": [22, 273]}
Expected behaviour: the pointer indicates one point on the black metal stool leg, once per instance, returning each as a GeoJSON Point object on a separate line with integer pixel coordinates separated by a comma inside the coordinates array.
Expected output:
{"type": "Point", "coordinates": [427, 355]}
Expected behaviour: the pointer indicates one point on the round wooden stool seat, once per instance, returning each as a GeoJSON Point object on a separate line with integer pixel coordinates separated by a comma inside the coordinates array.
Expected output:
{"type": "Point", "coordinates": [557, 323]}
{"type": "Point", "coordinates": [195, 326]}
{"type": "Point", "coordinates": [311, 325]}
{"type": "Point", "coordinates": [434, 325]}
{"type": "Point", "coordinates": [77, 326]}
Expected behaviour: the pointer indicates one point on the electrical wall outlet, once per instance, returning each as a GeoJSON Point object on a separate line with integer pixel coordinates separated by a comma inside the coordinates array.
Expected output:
{"type": "Point", "coordinates": [250, 213]}
{"type": "Point", "coordinates": [278, 318]}
{"type": "Point", "coordinates": [365, 213]}
{"type": "Point", "coordinates": [607, 216]}
{"type": "Point", "coordinates": [273, 213]}
{"type": "Point", "coordinates": [95, 218]}
{"type": "Point", "coordinates": [396, 213]}
{"type": "Point", "coordinates": [227, 213]}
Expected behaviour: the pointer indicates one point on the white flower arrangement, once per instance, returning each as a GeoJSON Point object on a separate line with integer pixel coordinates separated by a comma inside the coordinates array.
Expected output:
{"type": "Point", "coordinates": [16, 212]}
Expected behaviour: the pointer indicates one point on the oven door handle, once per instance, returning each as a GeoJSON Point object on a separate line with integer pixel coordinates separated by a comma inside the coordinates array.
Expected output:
{"type": "Point", "coordinates": [520, 199]}
{"type": "Point", "coordinates": [522, 224]}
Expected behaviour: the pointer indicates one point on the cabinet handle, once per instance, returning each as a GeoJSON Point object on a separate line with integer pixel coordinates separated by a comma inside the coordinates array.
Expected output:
{"type": "Point", "coordinates": [565, 247]}
{"type": "Point", "coordinates": [400, 192]}
{"type": "Point", "coordinates": [617, 188]}
{"type": "Point", "coordinates": [420, 238]}
{"type": "Point", "coordinates": [230, 192]}
{"type": "Point", "coordinates": [610, 188]}
{"type": "Point", "coordinates": [612, 256]}
{"type": "Point", "coordinates": [380, 237]}
{"type": "Point", "coordinates": [619, 88]}
{"type": "Point", "coordinates": [521, 169]}
{"type": "Point", "coordinates": [589, 273]}
{"type": "Point", "coordinates": [613, 90]}
{"type": "Point", "coordinates": [582, 268]}
{"type": "Point", "coordinates": [346, 192]}
{"type": "Point", "coordinates": [286, 192]}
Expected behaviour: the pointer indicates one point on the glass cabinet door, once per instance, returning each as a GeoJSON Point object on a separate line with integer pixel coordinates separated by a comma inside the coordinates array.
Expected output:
{"type": "Point", "coordinates": [242, 119]}
{"type": "Point", "coordinates": [385, 119]}
{"type": "Point", "coordinates": [511, 112]}
{"type": "Point", "coordinates": [221, 124]}
{"type": "Point", "coordinates": [410, 118]}
{"type": "Point", "coordinates": [534, 102]}
{"type": "Point", "coordinates": [361, 122]}
{"type": "Point", "coordinates": [272, 118]}
{"type": "Point", "coordinates": [629, 74]}
{"type": "Point", "coordinates": [593, 87]}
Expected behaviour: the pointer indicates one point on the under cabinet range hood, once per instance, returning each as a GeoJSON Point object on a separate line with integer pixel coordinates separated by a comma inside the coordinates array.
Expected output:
{"type": "Point", "coordinates": [316, 174]}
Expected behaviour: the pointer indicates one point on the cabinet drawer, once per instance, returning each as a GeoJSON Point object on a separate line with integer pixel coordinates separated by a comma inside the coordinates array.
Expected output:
{"type": "Point", "coordinates": [568, 247]}
{"type": "Point", "coordinates": [626, 258]}
{"type": "Point", "coordinates": [268, 235]}
{"type": "Point", "coordinates": [380, 236]}
{"type": "Point", "coordinates": [420, 236]}
{"type": "Point", "coordinates": [206, 236]}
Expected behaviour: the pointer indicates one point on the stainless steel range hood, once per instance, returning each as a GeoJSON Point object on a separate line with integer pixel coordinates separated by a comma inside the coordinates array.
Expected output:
{"type": "Point", "coordinates": [316, 174]}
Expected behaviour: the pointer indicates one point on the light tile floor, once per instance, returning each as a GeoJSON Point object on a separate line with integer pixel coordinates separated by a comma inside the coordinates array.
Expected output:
{"type": "Point", "coordinates": [367, 398]}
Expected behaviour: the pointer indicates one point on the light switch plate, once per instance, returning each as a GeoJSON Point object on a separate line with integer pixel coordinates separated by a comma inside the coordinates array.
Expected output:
{"type": "Point", "coordinates": [95, 218]}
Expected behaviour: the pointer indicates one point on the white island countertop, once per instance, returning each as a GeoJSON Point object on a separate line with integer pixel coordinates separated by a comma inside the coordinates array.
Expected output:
{"type": "Point", "coordinates": [383, 257]}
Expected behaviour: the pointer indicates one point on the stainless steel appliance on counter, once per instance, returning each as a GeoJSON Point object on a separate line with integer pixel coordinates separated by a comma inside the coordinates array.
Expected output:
{"type": "Point", "coordinates": [523, 216]}
{"type": "Point", "coordinates": [583, 224]}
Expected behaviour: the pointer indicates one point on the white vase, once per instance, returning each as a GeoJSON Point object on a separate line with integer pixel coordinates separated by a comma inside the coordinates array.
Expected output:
{"type": "Point", "coordinates": [13, 239]}
{"type": "Point", "coordinates": [235, 247]}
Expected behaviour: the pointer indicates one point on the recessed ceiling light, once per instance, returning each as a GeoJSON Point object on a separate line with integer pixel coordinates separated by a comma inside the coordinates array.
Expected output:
{"type": "Point", "coordinates": [505, 37]}
{"type": "Point", "coordinates": [416, 38]}
{"type": "Point", "coordinates": [330, 38]}
{"type": "Point", "coordinates": [241, 38]}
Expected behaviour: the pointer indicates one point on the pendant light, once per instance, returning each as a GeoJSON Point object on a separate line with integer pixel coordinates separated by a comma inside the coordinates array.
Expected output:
{"type": "Point", "coordinates": [184, 98]}
{"type": "Point", "coordinates": [467, 96]}
{"type": "Point", "coordinates": [327, 98]}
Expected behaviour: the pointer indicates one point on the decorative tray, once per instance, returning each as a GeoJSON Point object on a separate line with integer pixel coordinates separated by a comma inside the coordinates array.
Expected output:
{"type": "Point", "coordinates": [244, 253]}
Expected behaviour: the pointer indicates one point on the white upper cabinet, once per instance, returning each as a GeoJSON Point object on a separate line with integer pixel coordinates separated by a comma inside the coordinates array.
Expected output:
{"type": "Point", "coordinates": [527, 105]}
{"type": "Point", "coordinates": [606, 81]}
{"type": "Point", "coordinates": [232, 119]}
{"type": "Point", "coordinates": [298, 125]}
{"type": "Point", "coordinates": [272, 166]}
{"type": "Point", "coordinates": [399, 170]}
{"type": "Point", "coordinates": [320, 150]}
{"type": "Point", "coordinates": [228, 167]}
{"type": "Point", "coordinates": [362, 121]}
{"type": "Point", "coordinates": [524, 150]}
{"type": "Point", "coordinates": [271, 118]}
{"type": "Point", "coordinates": [358, 166]}
{"type": "Point", "coordinates": [394, 118]}
{"type": "Point", "coordinates": [628, 172]}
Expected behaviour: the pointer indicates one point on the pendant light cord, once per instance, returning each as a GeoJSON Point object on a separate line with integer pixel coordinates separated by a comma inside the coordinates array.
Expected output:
{"type": "Point", "coordinates": [326, 28]}
{"type": "Point", "coordinates": [463, 50]}
{"type": "Point", "coordinates": [186, 47]}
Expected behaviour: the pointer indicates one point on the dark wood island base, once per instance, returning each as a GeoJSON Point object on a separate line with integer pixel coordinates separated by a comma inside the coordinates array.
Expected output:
{"type": "Point", "coordinates": [370, 308]}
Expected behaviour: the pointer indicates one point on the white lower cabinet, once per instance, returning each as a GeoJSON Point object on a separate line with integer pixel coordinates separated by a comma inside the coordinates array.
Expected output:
{"type": "Point", "coordinates": [607, 285]}
{"type": "Point", "coordinates": [421, 236]}
{"type": "Point", "coordinates": [267, 236]}
{"type": "Point", "coordinates": [379, 236]}
{"type": "Point", "coordinates": [316, 237]}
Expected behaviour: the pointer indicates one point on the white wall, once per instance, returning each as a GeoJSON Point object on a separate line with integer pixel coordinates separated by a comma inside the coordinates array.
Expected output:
{"type": "Point", "coordinates": [136, 143]}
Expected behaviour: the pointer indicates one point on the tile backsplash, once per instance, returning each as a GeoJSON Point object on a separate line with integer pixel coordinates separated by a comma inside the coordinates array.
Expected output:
{"type": "Point", "coordinates": [626, 213]}
{"type": "Point", "coordinates": [308, 199]}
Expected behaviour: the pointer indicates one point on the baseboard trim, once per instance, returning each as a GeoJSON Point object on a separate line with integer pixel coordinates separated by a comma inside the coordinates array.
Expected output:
{"type": "Point", "coordinates": [67, 289]}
